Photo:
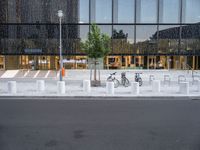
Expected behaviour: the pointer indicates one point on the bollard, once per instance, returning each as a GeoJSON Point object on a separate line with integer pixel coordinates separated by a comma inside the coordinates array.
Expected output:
{"type": "Point", "coordinates": [40, 85]}
{"type": "Point", "coordinates": [12, 88]}
{"type": "Point", "coordinates": [156, 86]}
{"type": "Point", "coordinates": [61, 87]}
{"type": "Point", "coordinates": [198, 85]}
{"type": "Point", "coordinates": [184, 87]}
{"type": "Point", "coordinates": [86, 86]}
{"type": "Point", "coordinates": [110, 88]}
{"type": "Point", "coordinates": [135, 88]}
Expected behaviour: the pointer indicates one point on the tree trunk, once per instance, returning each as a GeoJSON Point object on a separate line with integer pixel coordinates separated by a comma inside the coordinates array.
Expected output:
{"type": "Point", "coordinates": [95, 70]}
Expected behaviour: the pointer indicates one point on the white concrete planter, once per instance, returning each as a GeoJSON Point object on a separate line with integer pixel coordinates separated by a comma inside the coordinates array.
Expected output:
{"type": "Point", "coordinates": [61, 87]}
{"type": "Point", "coordinates": [12, 87]}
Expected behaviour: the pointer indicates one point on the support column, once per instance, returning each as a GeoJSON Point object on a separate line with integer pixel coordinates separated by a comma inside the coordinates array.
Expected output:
{"type": "Point", "coordinates": [193, 62]}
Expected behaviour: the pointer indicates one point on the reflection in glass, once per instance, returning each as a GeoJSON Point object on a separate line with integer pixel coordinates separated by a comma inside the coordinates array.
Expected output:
{"type": "Point", "coordinates": [146, 39]}
{"type": "Point", "coordinates": [168, 39]}
{"type": "Point", "coordinates": [147, 11]}
{"type": "Point", "coordinates": [124, 11]}
{"type": "Point", "coordinates": [123, 39]}
{"type": "Point", "coordinates": [169, 11]}
{"type": "Point", "coordinates": [106, 29]}
{"type": "Point", "coordinates": [190, 42]}
{"type": "Point", "coordinates": [32, 11]}
{"type": "Point", "coordinates": [191, 10]}
{"type": "Point", "coordinates": [84, 11]}
{"type": "Point", "coordinates": [103, 11]}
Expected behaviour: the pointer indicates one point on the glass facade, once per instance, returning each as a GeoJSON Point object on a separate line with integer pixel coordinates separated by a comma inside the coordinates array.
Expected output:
{"type": "Point", "coordinates": [142, 31]}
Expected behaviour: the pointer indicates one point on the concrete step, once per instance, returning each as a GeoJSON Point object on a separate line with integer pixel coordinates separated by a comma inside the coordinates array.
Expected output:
{"type": "Point", "coordinates": [31, 74]}
{"type": "Point", "coordinates": [42, 74]}
{"type": "Point", "coordinates": [9, 74]}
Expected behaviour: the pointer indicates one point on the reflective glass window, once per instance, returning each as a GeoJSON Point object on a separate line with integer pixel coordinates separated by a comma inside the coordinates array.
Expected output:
{"type": "Point", "coordinates": [103, 11]}
{"type": "Point", "coordinates": [84, 11]}
{"type": "Point", "coordinates": [123, 39]}
{"type": "Point", "coordinates": [124, 11]}
{"type": "Point", "coordinates": [168, 38]}
{"type": "Point", "coordinates": [146, 11]}
{"type": "Point", "coordinates": [169, 11]}
{"type": "Point", "coordinates": [191, 11]}
{"type": "Point", "coordinates": [190, 41]}
{"type": "Point", "coordinates": [146, 39]}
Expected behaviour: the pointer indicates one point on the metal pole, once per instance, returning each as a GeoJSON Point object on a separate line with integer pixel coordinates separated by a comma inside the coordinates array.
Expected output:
{"type": "Point", "coordinates": [61, 60]}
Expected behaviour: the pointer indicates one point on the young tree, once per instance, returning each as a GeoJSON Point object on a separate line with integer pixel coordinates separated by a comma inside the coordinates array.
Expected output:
{"type": "Point", "coordinates": [96, 46]}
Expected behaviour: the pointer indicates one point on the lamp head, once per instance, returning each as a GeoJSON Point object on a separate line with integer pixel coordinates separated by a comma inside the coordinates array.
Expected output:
{"type": "Point", "coordinates": [60, 13]}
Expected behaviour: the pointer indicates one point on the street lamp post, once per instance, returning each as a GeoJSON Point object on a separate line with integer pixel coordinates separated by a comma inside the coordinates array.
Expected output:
{"type": "Point", "coordinates": [60, 15]}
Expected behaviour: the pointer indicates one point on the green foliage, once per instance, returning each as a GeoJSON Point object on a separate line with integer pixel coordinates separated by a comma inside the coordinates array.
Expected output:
{"type": "Point", "coordinates": [119, 35]}
{"type": "Point", "coordinates": [97, 45]}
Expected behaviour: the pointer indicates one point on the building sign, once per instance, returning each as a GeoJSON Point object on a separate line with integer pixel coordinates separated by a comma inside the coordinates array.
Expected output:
{"type": "Point", "coordinates": [32, 51]}
{"type": "Point", "coordinates": [83, 61]}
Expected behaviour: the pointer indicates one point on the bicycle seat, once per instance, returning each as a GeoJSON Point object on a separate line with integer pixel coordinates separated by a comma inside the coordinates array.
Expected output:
{"type": "Point", "coordinates": [113, 73]}
{"type": "Point", "coordinates": [123, 73]}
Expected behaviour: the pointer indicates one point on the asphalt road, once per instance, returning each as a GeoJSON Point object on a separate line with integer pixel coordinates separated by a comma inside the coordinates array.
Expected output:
{"type": "Point", "coordinates": [99, 125]}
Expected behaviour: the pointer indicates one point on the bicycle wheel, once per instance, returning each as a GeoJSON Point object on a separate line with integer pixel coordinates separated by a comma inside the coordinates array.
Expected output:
{"type": "Point", "coordinates": [125, 82]}
{"type": "Point", "coordinates": [140, 81]}
{"type": "Point", "coordinates": [116, 83]}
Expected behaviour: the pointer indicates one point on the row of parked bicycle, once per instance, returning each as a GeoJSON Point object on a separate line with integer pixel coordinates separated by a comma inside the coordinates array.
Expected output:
{"type": "Point", "coordinates": [124, 81]}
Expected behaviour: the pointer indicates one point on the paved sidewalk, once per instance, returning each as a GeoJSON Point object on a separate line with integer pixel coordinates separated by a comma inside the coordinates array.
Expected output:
{"type": "Point", "coordinates": [74, 78]}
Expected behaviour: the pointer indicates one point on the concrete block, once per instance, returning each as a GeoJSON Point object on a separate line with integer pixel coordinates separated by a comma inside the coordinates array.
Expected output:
{"type": "Point", "coordinates": [184, 87]}
{"type": "Point", "coordinates": [110, 88]}
{"type": "Point", "coordinates": [198, 85]}
{"type": "Point", "coordinates": [86, 86]}
{"type": "Point", "coordinates": [61, 87]}
{"type": "Point", "coordinates": [156, 86]}
{"type": "Point", "coordinates": [12, 87]}
{"type": "Point", "coordinates": [135, 88]}
{"type": "Point", "coordinates": [40, 85]}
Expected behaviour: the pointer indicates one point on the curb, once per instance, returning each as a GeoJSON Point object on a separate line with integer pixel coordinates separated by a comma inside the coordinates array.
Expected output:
{"type": "Point", "coordinates": [168, 98]}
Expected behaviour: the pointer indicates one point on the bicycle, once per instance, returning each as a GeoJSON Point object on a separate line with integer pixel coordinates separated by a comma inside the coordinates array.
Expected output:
{"type": "Point", "coordinates": [124, 81]}
{"type": "Point", "coordinates": [113, 79]}
{"type": "Point", "coordinates": [138, 79]}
